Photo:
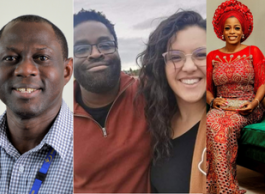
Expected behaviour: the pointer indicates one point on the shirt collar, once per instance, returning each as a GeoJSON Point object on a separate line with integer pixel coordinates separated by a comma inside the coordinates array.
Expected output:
{"type": "Point", "coordinates": [59, 137]}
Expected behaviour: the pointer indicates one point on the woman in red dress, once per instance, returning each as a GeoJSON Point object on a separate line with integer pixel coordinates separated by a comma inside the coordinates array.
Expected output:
{"type": "Point", "coordinates": [235, 87]}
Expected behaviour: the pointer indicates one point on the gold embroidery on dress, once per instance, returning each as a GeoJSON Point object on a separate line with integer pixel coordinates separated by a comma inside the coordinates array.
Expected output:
{"type": "Point", "coordinates": [231, 61]}
{"type": "Point", "coordinates": [233, 104]}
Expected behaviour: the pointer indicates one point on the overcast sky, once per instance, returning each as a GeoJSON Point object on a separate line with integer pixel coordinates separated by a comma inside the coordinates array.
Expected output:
{"type": "Point", "coordinates": [135, 19]}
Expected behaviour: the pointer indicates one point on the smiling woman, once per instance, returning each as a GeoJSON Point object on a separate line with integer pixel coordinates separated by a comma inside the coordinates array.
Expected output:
{"type": "Point", "coordinates": [186, 72]}
{"type": "Point", "coordinates": [232, 30]}
{"type": "Point", "coordinates": [235, 87]}
{"type": "Point", "coordinates": [173, 83]}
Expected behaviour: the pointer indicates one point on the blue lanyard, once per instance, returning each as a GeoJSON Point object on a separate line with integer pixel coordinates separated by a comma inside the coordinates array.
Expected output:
{"type": "Point", "coordinates": [40, 176]}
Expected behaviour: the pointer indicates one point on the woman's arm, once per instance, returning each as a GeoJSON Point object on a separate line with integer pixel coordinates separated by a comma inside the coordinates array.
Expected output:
{"type": "Point", "coordinates": [210, 89]}
{"type": "Point", "coordinates": [209, 76]}
{"type": "Point", "coordinates": [259, 67]}
{"type": "Point", "coordinates": [209, 97]}
{"type": "Point", "coordinates": [217, 102]}
{"type": "Point", "coordinates": [248, 107]}
{"type": "Point", "coordinates": [259, 82]}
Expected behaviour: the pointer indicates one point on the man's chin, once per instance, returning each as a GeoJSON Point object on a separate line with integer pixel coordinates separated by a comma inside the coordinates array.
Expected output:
{"type": "Point", "coordinates": [101, 84]}
{"type": "Point", "coordinates": [25, 113]}
{"type": "Point", "coordinates": [101, 81]}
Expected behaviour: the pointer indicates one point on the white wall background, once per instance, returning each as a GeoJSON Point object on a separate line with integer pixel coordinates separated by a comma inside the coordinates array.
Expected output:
{"type": "Point", "coordinates": [59, 12]}
{"type": "Point", "coordinates": [257, 37]}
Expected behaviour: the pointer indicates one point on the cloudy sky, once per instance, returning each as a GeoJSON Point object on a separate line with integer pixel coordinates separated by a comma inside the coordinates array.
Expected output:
{"type": "Point", "coordinates": [135, 19]}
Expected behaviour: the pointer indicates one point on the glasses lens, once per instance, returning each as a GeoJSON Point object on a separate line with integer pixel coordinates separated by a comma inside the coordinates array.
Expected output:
{"type": "Point", "coordinates": [82, 50]}
{"type": "Point", "coordinates": [175, 57]}
{"type": "Point", "coordinates": [199, 56]}
{"type": "Point", "coordinates": [107, 47]}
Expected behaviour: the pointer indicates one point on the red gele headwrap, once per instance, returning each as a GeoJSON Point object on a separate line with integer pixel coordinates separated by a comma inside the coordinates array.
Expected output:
{"type": "Point", "coordinates": [236, 9]}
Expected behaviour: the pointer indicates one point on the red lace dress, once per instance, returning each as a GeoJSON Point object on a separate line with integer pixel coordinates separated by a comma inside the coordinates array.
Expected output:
{"type": "Point", "coordinates": [234, 76]}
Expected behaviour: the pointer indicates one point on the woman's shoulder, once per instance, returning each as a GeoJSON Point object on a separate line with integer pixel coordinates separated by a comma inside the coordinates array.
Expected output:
{"type": "Point", "coordinates": [254, 48]}
{"type": "Point", "coordinates": [256, 53]}
{"type": "Point", "coordinates": [213, 53]}
{"type": "Point", "coordinates": [251, 48]}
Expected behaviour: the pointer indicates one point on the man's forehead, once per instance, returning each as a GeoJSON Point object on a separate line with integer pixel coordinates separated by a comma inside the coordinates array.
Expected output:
{"type": "Point", "coordinates": [92, 30]}
{"type": "Point", "coordinates": [21, 31]}
{"type": "Point", "coordinates": [22, 28]}
{"type": "Point", "coordinates": [30, 36]}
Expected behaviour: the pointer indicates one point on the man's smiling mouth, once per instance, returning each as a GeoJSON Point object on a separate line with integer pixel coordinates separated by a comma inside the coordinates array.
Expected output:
{"type": "Point", "coordinates": [26, 90]}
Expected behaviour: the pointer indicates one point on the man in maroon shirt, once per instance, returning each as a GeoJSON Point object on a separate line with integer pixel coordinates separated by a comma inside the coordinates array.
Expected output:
{"type": "Point", "coordinates": [111, 141]}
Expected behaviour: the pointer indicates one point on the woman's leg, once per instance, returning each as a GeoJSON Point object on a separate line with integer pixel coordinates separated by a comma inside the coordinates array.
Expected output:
{"type": "Point", "coordinates": [223, 130]}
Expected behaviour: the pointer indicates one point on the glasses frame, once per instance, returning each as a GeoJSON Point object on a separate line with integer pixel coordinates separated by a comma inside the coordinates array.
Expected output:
{"type": "Point", "coordinates": [115, 49]}
{"type": "Point", "coordinates": [189, 54]}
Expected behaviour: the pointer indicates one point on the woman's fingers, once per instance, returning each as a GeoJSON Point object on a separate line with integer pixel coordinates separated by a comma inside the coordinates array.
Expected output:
{"type": "Point", "coordinates": [218, 102]}
{"type": "Point", "coordinates": [244, 105]}
{"type": "Point", "coordinates": [248, 108]}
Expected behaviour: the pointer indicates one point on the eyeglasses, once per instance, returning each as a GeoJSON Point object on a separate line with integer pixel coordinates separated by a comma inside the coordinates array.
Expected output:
{"type": "Point", "coordinates": [178, 58]}
{"type": "Point", "coordinates": [106, 47]}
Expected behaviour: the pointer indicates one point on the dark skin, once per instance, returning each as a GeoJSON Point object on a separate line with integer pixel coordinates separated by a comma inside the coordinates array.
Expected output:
{"type": "Point", "coordinates": [93, 32]}
{"type": "Point", "coordinates": [31, 57]}
{"type": "Point", "coordinates": [94, 100]}
{"type": "Point", "coordinates": [232, 34]}
{"type": "Point", "coordinates": [232, 28]}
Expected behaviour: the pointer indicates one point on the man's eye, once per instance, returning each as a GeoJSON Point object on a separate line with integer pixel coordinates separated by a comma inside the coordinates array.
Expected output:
{"type": "Point", "coordinates": [106, 45]}
{"type": "Point", "coordinates": [42, 58]}
{"type": "Point", "coordinates": [82, 49]}
{"type": "Point", "coordinates": [10, 58]}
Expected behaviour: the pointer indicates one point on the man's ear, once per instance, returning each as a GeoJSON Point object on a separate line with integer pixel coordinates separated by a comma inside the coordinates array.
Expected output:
{"type": "Point", "coordinates": [68, 70]}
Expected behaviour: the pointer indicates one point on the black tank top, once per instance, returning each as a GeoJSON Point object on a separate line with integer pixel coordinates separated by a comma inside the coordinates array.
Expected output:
{"type": "Point", "coordinates": [172, 175]}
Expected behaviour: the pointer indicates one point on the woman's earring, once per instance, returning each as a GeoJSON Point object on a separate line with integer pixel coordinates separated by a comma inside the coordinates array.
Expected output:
{"type": "Point", "coordinates": [242, 36]}
{"type": "Point", "coordinates": [223, 37]}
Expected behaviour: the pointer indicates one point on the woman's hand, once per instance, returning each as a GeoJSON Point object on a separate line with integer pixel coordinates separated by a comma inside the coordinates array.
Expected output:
{"type": "Point", "coordinates": [247, 108]}
{"type": "Point", "coordinates": [218, 102]}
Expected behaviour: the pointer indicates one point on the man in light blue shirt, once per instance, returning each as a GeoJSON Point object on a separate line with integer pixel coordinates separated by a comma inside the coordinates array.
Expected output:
{"type": "Point", "coordinates": [36, 131]}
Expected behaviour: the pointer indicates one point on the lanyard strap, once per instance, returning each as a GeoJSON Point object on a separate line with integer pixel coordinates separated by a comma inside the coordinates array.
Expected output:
{"type": "Point", "coordinates": [41, 174]}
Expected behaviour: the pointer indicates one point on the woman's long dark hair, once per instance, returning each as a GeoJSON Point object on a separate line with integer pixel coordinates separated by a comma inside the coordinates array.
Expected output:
{"type": "Point", "coordinates": [161, 103]}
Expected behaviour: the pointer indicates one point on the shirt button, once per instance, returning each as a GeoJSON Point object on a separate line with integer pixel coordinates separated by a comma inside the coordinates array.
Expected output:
{"type": "Point", "coordinates": [21, 169]}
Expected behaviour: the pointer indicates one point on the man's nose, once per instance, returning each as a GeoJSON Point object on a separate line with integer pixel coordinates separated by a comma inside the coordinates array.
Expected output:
{"type": "Point", "coordinates": [95, 53]}
{"type": "Point", "coordinates": [26, 68]}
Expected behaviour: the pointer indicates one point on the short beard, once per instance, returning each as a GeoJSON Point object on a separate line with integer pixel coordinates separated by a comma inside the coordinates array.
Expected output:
{"type": "Point", "coordinates": [101, 81]}
{"type": "Point", "coordinates": [24, 114]}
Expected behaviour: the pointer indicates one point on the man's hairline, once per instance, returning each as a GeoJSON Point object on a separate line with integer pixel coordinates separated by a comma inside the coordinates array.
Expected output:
{"type": "Point", "coordinates": [98, 22]}
{"type": "Point", "coordinates": [43, 22]}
